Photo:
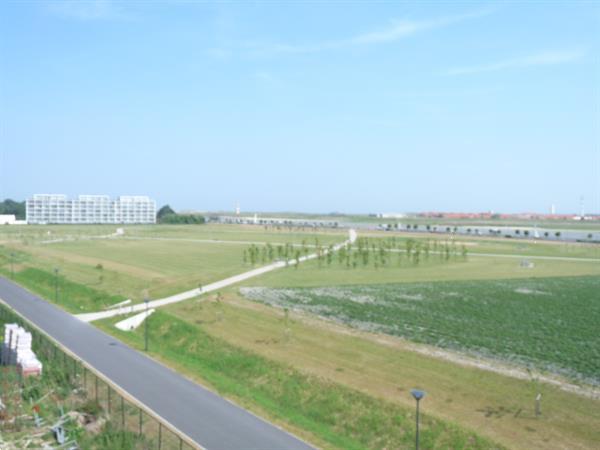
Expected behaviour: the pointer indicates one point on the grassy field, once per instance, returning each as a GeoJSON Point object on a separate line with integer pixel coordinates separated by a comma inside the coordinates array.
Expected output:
{"type": "Point", "coordinates": [499, 407]}
{"type": "Point", "coordinates": [474, 244]}
{"type": "Point", "coordinates": [325, 412]}
{"type": "Point", "coordinates": [162, 260]}
{"type": "Point", "coordinates": [307, 352]}
{"type": "Point", "coordinates": [34, 234]}
{"type": "Point", "coordinates": [475, 268]}
{"type": "Point", "coordinates": [535, 322]}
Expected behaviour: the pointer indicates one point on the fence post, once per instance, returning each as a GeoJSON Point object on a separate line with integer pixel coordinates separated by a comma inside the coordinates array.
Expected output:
{"type": "Point", "coordinates": [122, 413]}
{"type": "Point", "coordinates": [159, 435]}
{"type": "Point", "coordinates": [140, 410]}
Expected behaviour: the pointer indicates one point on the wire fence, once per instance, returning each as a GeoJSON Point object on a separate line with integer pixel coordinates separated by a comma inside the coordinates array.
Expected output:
{"type": "Point", "coordinates": [117, 409]}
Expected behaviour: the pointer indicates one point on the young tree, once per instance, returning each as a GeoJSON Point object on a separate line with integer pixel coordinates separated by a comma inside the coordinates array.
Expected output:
{"type": "Point", "coordinates": [330, 255]}
{"type": "Point", "coordinates": [270, 252]}
{"type": "Point", "coordinates": [409, 246]}
{"type": "Point", "coordinates": [263, 255]}
{"type": "Point", "coordinates": [342, 255]}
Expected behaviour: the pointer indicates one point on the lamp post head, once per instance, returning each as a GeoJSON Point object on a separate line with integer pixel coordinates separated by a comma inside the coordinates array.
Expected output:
{"type": "Point", "coordinates": [417, 394]}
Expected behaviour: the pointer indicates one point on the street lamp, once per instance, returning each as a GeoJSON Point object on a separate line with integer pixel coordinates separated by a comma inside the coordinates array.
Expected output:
{"type": "Point", "coordinates": [56, 285]}
{"type": "Point", "coordinates": [418, 395]}
{"type": "Point", "coordinates": [146, 301]}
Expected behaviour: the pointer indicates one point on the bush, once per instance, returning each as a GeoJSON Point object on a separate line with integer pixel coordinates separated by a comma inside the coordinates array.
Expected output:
{"type": "Point", "coordinates": [91, 407]}
{"type": "Point", "coordinates": [182, 219]}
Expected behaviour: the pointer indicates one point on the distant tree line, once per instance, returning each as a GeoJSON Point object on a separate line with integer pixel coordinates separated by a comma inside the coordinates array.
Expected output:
{"type": "Point", "coordinates": [9, 206]}
{"type": "Point", "coordinates": [166, 214]}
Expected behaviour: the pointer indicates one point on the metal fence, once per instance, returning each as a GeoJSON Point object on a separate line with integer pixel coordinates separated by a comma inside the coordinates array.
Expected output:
{"type": "Point", "coordinates": [120, 410]}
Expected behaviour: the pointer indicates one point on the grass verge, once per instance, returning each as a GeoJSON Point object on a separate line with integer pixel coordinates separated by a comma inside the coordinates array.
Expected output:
{"type": "Point", "coordinates": [337, 416]}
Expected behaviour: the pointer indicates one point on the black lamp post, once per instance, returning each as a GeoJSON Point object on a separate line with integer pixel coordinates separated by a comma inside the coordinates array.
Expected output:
{"type": "Point", "coordinates": [56, 285]}
{"type": "Point", "coordinates": [418, 395]}
{"type": "Point", "coordinates": [146, 301]}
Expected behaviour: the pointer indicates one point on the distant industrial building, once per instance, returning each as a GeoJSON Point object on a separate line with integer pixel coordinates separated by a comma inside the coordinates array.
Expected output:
{"type": "Point", "coordinates": [90, 209]}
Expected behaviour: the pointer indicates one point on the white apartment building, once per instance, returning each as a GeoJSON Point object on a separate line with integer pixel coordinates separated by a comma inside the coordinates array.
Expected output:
{"type": "Point", "coordinates": [87, 209]}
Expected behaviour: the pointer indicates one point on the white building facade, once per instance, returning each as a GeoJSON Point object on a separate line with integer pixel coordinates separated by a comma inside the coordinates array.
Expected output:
{"type": "Point", "coordinates": [89, 209]}
{"type": "Point", "coordinates": [10, 219]}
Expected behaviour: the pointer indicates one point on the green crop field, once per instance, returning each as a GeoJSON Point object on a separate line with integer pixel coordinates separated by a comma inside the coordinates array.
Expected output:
{"type": "Point", "coordinates": [541, 322]}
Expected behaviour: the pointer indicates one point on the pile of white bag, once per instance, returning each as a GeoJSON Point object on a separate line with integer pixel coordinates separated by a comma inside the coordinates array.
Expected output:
{"type": "Point", "coordinates": [16, 350]}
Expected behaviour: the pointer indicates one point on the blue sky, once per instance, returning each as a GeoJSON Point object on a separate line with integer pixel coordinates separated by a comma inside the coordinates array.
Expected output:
{"type": "Point", "coordinates": [305, 106]}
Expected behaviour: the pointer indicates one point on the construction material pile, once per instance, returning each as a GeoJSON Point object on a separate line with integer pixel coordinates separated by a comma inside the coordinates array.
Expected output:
{"type": "Point", "coordinates": [16, 350]}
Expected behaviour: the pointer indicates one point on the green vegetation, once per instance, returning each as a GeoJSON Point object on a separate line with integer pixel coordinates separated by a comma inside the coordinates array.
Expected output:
{"type": "Point", "coordinates": [164, 211]}
{"type": "Point", "coordinates": [9, 206]}
{"type": "Point", "coordinates": [97, 268]}
{"type": "Point", "coordinates": [55, 396]}
{"type": "Point", "coordinates": [167, 215]}
{"type": "Point", "coordinates": [540, 322]}
{"type": "Point", "coordinates": [375, 252]}
{"type": "Point", "coordinates": [336, 415]}
{"type": "Point", "coordinates": [73, 297]}
{"type": "Point", "coordinates": [182, 219]}
{"type": "Point", "coordinates": [500, 407]}
{"type": "Point", "coordinates": [164, 259]}
{"type": "Point", "coordinates": [476, 267]}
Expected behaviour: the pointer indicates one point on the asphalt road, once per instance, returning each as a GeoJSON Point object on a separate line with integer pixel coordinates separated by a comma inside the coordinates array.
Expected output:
{"type": "Point", "coordinates": [206, 418]}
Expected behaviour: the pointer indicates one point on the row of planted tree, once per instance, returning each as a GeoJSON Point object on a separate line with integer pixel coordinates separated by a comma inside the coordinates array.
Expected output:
{"type": "Point", "coordinates": [364, 252]}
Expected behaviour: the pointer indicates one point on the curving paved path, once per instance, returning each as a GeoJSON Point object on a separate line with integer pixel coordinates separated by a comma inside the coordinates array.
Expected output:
{"type": "Point", "coordinates": [90, 317]}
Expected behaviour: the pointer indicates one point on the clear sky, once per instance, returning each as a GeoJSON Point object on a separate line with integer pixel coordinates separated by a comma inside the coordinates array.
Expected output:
{"type": "Point", "coordinates": [304, 106]}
